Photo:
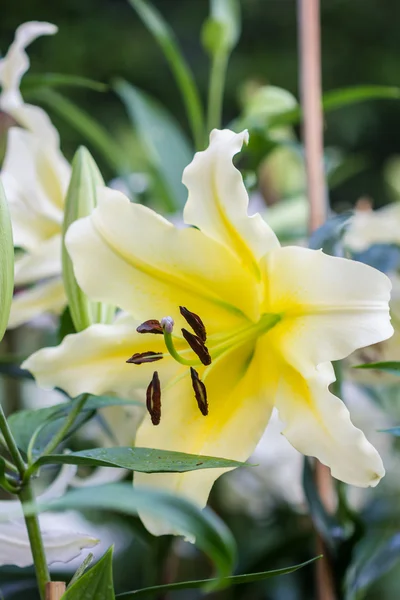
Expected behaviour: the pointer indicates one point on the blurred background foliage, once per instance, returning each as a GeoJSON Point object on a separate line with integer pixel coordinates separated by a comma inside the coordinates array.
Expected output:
{"type": "Point", "coordinates": [104, 40]}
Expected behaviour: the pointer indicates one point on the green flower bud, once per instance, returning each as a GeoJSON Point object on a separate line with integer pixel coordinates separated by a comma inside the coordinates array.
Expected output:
{"type": "Point", "coordinates": [6, 263]}
{"type": "Point", "coordinates": [80, 201]}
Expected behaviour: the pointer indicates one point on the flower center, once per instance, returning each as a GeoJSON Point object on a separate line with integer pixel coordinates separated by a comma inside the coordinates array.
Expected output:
{"type": "Point", "coordinates": [216, 346]}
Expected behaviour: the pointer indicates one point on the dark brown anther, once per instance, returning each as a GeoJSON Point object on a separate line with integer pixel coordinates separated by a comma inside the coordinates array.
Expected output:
{"type": "Point", "coordinates": [144, 357]}
{"type": "Point", "coordinates": [153, 399]}
{"type": "Point", "coordinates": [197, 346]}
{"type": "Point", "coordinates": [151, 326]}
{"type": "Point", "coordinates": [199, 391]}
{"type": "Point", "coordinates": [195, 323]}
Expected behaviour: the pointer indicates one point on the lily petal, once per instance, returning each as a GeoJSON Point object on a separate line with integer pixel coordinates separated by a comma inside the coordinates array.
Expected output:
{"type": "Point", "coordinates": [331, 306]}
{"type": "Point", "coordinates": [218, 200]}
{"type": "Point", "coordinates": [47, 296]}
{"type": "Point", "coordinates": [94, 361]}
{"type": "Point", "coordinates": [369, 227]}
{"type": "Point", "coordinates": [44, 263]}
{"type": "Point", "coordinates": [35, 178]}
{"type": "Point", "coordinates": [12, 68]}
{"type": "Point", "coordinates": [152, 268]}
{"type": "Point", "coordinates": [318, 424]}
{"type": "Point", "coordinates": [61, 545]}
{"type": "Point", "coordinates": [240, 393]}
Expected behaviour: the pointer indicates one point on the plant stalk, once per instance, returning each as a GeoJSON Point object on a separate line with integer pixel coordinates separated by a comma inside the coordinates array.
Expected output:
{"type": "Point", "coordinates": [216, 90]}
{"type": "Point", "coordinates": [62, 432]}
{"type": "Point", "coordinates": [26, 496]}
{"type": "Point", "coordinates": [311, 92]}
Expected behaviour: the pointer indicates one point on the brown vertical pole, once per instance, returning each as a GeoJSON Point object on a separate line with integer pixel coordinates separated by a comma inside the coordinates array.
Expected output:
{"type": "Point", "coordinates": [55, 590]}
{"type": "Point", "coordinates": [310, 79]}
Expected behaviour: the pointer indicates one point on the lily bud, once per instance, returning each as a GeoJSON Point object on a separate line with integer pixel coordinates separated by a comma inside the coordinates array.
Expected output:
{"type": "Point", "coordinates": [6, 263]}
{"type": "Point", "coordinates": [80, 201]}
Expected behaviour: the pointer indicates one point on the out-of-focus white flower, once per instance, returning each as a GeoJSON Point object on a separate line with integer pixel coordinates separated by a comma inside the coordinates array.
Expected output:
{"type": "Point", "coordinates": [35, 175]}
{"type": "Point", "coordinates": [12, 68]}
{"type": "Point", "coordinates": [369, 227]}
{"type": "Point", "coordinates": [60, 543]}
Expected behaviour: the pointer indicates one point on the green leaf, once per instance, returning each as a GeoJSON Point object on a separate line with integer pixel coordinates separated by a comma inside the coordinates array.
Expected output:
{"type": "Point", "coordinates": [338, 98]}
{"type": "Point", "coordinates": [211, 534]}
{"type": "Point", "coordinates": [167, 149]}
{"type": "Point", "coordinates": [30, 82]}
{"type": "Point", "coordinates": [6, 263]}
{"type": "Point", "coordinates": [145, 460]}
{"type": "Point", "coordinates": [393, 430]}
{"type": "Point", "coordinates": [373, 559]}
{"type": "Point", "coordinates": [84, 124]}
{"type": "Point", "coordinates": [182, 73]}
{"type": "Point", "coordinates": [80, 201]}
{"type": "Point", "coordinates": [221, 31]}
{"type": "Point", "coordinates": [25, 423]}
{"type": "Point", "coordinates": [201, 583]}
{"type": "Point", "coordinates": [389, 366]}
{"type": "Point", "coordinates": [81, 569]}
{"type": "Point", "coordinates": [95, 584]}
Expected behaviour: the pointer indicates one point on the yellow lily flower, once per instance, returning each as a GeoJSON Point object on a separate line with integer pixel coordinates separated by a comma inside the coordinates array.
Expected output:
{"type": "Point", "coordinates": [35, 176]}
{"type": "Point", "coordinates": [267, 321]}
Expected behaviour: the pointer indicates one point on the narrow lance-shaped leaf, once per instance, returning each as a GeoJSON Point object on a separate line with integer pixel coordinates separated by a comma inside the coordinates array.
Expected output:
{"type": "Point", "coordinates": [145, 460]}
{"type": "Point", "coordinates": [204, 583]}
{"type": "Point", "coordinates": [389, 366]}
{"type": "Point", "coordinates": [96, 583]}
{"type": "Point", "coordinates": [183, 75]}
{"type": "Point", "coordinates": [166, 148]}
{"type": "Point", "coordinates": [80, 201]}
{"type": "Point", "coordinates": [6, 263]}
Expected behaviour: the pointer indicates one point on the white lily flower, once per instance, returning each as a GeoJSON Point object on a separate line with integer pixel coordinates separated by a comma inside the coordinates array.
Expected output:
{"type": "Point", "coordinates": [369, 227]}
{"type": "Point", "coordinates": [12, 68]}
{"type": "Point", "coordinates": [35, 176]}
{"type": "Point", "coordinates": [272, 318]}
{"type": "Point", "coordinates": [60, 544]}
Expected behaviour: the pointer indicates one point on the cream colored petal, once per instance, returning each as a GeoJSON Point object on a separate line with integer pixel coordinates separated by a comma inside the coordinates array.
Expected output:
{"type": "Point", "coordinates": [127, 255]}
{"type": "Point", "coordinates": [16, 62]}
{"type": "Point", "coordinates": [367, 228]}
{"type": "Point", "coordinates": [47, 296]}
{"type": "Point", "coordinates": [35, 177]}
{"type": "Point", "coordinates": [330, 306]}
{"type": "Point", "coordinates": [240, 393]}
{"type": "Point", "coordinates": [318, 424]}
{"type": "Point", "coordinates": [12, 67]}
{"type": "Point", "coordinates": [61, 545]}
{"type": "Point", "coordinates": [45, 262]}
{"type": "Point", "coordinates": [94, 361]}
{"type": "Point", "coordinates": [218, 200]}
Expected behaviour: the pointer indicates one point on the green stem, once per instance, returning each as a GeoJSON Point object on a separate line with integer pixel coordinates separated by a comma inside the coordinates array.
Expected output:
{"type": "Point", "coordinates": [26, 496]}
{"type": "Point", "coordinates": [216, 90]}
{"type": "Point", "coordinates": [11, 445]}
{"type": "Point", "coordinates": [62, 432]}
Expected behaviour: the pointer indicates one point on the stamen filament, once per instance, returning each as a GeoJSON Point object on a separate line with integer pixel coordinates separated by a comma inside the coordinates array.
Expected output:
{"type": "Point", "coordinates": [175, 354]}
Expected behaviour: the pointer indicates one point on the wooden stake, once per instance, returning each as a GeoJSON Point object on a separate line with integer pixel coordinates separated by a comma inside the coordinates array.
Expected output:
{"type": "Point", "coordinates": [311, 92]}
{"type": "Point", "coordinates": [55, 590]}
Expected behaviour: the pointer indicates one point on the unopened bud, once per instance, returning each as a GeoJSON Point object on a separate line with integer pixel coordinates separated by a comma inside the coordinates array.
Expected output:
{"type": "Point", "coordinates": [6, 263]}
{"type": "Point", "coordinates": [80, 201]}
